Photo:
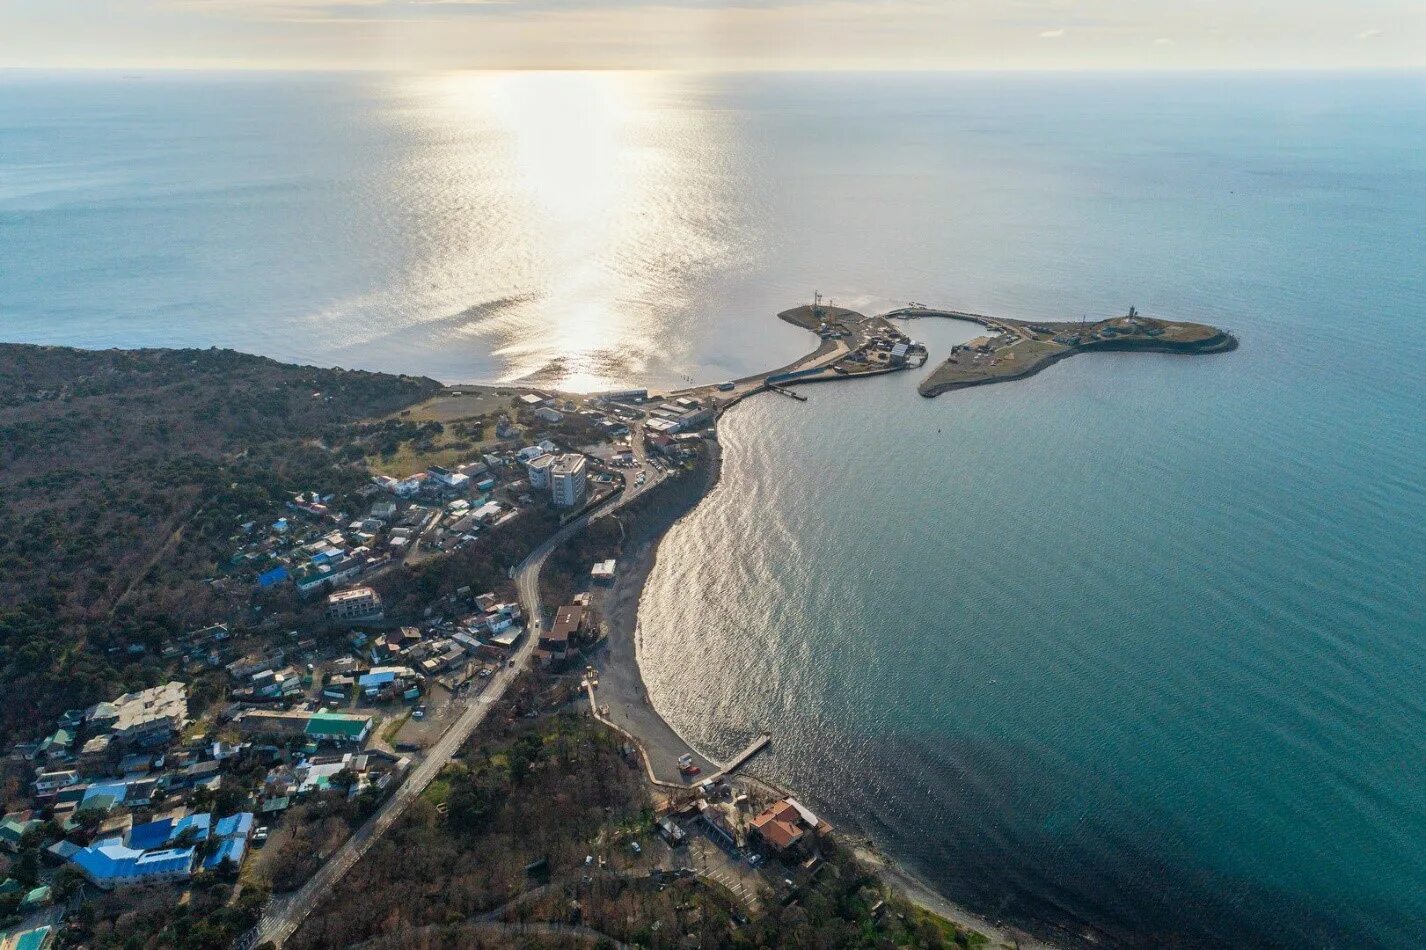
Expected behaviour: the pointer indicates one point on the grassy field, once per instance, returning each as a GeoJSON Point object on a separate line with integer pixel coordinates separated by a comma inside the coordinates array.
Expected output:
{"type": "Point", "coordinates": [460, 413]}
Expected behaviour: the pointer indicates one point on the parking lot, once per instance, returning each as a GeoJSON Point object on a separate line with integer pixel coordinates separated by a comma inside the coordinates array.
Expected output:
{"type": "Point", "coordinates": [721, 864]}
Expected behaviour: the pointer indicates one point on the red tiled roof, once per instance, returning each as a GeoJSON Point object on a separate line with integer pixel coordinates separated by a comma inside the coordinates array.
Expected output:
{"type": "Point", "coordinates": [778, 824]}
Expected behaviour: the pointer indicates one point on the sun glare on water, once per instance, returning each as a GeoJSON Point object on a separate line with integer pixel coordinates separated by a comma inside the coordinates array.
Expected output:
{"type": "Point", "coordinates": [592, 187]}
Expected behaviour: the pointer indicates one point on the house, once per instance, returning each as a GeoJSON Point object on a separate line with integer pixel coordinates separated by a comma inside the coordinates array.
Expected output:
{"type": "Point", "coordinates": [359, 603]}
{"type": "Point", "coordinates": [717, 821]}
{"type": "Point", "coordinates": [94, 754]}
{"type": "Point", "coordinates": [232, 835]}
{"type": "Point", "coordinates": [273, 576]}
{"type": "Point", "coordinates": [671, 832]}
{"type": "Point", "coordinates": [35, 898]}
{"type": "Point", "coordinates": [48, 783]}
{"type": "Point", "coordinates": [546, 414]}
{"type": "Point", "coordinates": [410, 485]}
{"type": "Point", "coordinates": [533, 399]}
{"type": "Point", "coordinates": [786, 822]}
{"type": "Point", "coordinates": [554, 642]}
{"type": "Point", "coordinates": [339, 728]}
{"type": "Point", "coordinates": [383, 676]}
{"type": "Point", "coordinates": [57, 745]}
{"type": "Point", "coordinates": [14, 828]}
{"type": "Point", "coordinates": [446, 478]}
{"type": "Point", "coordinates": [603, 572]}
{"type": "Point", "coordinates": [568, 480]}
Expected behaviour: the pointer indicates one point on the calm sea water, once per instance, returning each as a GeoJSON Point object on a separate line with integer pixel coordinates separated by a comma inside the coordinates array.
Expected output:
{"type": "Point", "coordinates": [1135, 646]}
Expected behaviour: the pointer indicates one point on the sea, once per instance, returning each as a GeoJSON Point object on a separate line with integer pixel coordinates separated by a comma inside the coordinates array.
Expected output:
{"type": "Point", "coordinates": [1132, 653]}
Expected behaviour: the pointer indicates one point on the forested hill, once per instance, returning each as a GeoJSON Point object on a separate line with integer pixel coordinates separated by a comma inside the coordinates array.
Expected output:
{"type": "Point", "coordinates": [123, 473]}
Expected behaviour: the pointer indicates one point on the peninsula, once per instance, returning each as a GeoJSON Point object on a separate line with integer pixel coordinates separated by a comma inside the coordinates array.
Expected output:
{"type": "Point", "coordinates": [1015, 349]}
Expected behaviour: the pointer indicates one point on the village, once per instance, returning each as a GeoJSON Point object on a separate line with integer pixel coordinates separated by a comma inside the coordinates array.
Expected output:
{"type": "Point", "coordinates": [151, 790]}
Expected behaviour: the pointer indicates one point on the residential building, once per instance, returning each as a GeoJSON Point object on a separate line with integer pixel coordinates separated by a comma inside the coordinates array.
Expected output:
{"type": "Point", "coordinates": [538, 471]}
{"type": "Point", "coordinates": [359, 603]}
{"type": "Point", "coordinates": [146, 717]}
{"type": "Point", "coordinates": [568, 480]}
{"type": "Point", "coordinates": [447, 478]}
{"type": "Point", "coordinates": [786, 822]}
{"type": "Point", "coordinates": [603, 572]}
{"type": "Point", "coordinates": [554, 642]}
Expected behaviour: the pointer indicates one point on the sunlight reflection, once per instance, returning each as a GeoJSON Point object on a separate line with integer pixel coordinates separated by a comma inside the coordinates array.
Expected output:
{"type": "Point", "coordinates": [587, 197]}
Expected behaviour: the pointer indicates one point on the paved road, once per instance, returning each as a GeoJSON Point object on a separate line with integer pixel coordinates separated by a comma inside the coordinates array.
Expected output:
{"type": "Point", "coordinates": [285, 914]}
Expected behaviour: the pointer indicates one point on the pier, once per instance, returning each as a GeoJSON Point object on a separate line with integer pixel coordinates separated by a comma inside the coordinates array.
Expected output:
{"type": "Point", "coordinates": [742, 758]}
{"type": "Point", "coordinates": [784, 391]}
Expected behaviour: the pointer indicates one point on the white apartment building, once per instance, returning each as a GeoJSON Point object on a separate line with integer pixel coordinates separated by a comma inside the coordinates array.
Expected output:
{"type": "Point", "coordinates": [567, 480]}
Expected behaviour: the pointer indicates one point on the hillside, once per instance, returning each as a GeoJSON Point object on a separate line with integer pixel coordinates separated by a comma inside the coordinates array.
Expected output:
{"type": "Point", "coordinates": [122, 475]}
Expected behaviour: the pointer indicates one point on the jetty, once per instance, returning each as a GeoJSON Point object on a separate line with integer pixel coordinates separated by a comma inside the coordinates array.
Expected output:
{"type": "Point", "coordinates": [784, 391]}
{"type": "Point", "coordinates": [742, 758]}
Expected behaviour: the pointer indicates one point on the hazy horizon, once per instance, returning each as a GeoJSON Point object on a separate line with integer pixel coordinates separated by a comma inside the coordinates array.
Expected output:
{"type": "Point", "coordinates": [713, 35]}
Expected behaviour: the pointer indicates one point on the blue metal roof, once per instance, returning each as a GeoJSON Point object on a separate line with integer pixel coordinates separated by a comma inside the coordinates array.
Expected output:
{"type": "Point", "coordinates": [231, 850]}
{"type": "Point", "coordinates": [151, 835]}
{"type": "Point", "coordinates": [275, 576]}
{"type": "Point", "coordinates": [109, 862]}
{"type": "Point", "coordinates": [239, 825]}
{"type": "Point", "coordinates": [377, 679]}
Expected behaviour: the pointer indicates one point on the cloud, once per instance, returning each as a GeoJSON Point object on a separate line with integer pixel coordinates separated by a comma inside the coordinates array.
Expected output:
{"type": "Point", "coordinates": [1368, 34]}
{"type": "Point", "coordinates": [1051, 34]}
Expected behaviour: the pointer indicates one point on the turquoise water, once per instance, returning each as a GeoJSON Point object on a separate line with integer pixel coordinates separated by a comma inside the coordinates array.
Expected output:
{"type": "Point", "coordinates": [1133, 647]}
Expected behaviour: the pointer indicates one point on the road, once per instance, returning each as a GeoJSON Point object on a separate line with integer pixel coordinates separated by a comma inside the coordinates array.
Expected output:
{"type": "Point", "coordinates": [284, 915]}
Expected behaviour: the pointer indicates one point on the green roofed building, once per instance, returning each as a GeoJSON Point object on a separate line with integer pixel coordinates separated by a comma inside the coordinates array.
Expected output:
{"type": "Point", "coordinates": [36, 898]}
{"type": "Point", "coordinates": [12, 830]}
{"type": "Point", "coordinates": [338, 727]}
{"type": "Point", "coordinates": [40, 938]}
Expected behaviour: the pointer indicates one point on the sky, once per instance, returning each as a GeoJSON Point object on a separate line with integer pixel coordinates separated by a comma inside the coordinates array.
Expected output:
{"type": "Point", "coordinates": [714, 34]}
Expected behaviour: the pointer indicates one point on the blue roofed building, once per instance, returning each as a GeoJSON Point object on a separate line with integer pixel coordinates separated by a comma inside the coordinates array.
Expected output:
{"type": "Point", "coordinates": [272, 577]}
{"type": "Point", "coordinates": [231, 833]}
{"type": "Point", "coordinates": [239, 825]}
{"type": "Point", "coordinates": [232, 850]}
{"type": "Point", "coordinates": [165, 831]}
{"type": "Point", "coordinates": [110, 863]}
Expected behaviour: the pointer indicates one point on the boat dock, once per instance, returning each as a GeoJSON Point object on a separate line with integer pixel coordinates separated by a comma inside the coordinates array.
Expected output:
{"type": "Point", "coordinates": [784, 391]}
{"type": "Point", "coordinates": [742, 758]}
